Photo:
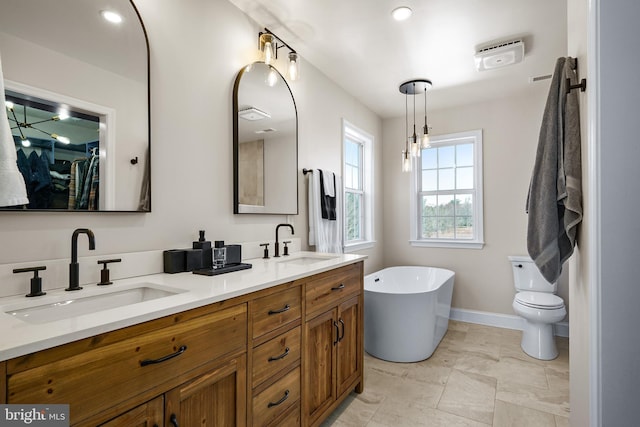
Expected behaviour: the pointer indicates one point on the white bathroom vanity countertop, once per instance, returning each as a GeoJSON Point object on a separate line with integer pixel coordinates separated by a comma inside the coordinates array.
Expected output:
{"type": "Point", "coordinates": [20, 337]}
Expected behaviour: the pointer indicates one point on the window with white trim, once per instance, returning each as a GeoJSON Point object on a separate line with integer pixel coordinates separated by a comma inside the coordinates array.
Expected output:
{"type": "Point", "coordinates": [358, 194]}
{"type": "Point", "coordinates": [446, 197]}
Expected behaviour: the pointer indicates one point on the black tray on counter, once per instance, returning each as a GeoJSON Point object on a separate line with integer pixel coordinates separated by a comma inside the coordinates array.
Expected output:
{"type": "Point", "coordinates": [226, 269]}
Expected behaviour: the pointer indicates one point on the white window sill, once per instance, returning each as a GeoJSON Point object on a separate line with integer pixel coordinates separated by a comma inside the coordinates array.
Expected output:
{"type": "Point", "coordinates": [354, 247]}
{"type": "Point", "coordinates": [447, 244]}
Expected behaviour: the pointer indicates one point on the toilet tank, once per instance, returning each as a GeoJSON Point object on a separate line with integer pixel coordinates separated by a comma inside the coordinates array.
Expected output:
{"type": "Point", "coordinates": [527, 277]}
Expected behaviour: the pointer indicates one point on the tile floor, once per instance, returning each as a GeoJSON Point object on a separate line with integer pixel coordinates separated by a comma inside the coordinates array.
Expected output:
{"type": "Point", "coordinates": [478, 376]}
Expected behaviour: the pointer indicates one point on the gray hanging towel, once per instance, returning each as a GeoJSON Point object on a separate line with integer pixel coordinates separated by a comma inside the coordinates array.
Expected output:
{"type": "Point", "coordinates": [554, 203]}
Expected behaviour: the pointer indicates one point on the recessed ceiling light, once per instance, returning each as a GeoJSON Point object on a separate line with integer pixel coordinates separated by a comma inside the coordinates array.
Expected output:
{"type": "Point", "coordinates": [111, 16]}
{"type": "Point", "coordinates": [401, 13]}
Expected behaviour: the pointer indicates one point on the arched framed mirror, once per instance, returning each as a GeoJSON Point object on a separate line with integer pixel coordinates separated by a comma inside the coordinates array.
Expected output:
{"type": "Point", "coordinates": [265, 143]}
{"type": "Point", "coordinates": [79, 86]}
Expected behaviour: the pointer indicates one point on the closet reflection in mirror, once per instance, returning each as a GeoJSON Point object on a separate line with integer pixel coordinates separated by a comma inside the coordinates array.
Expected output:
{"type": "Point", "coordinates": [63, 53]}
{"type": "Point", "coordinates": [57, 153]}
{"type": "Point", "coordinates": [265, 142]}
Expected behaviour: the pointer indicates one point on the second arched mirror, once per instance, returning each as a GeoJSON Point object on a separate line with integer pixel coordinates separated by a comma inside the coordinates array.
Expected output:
{"type": "Point", "coordinates": [265, 142]}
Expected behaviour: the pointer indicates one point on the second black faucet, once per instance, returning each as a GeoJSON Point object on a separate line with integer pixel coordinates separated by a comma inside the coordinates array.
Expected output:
{"type": "Point", "coordinates": [276, 252]}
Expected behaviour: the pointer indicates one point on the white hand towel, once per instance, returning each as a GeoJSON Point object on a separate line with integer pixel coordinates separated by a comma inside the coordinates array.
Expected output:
{"type": "Point", "coordinates": [327, 180]}
{"type": "Point", "coordinates": [13, 191]}
{"type": "Point", "coordinates": [324, 234]}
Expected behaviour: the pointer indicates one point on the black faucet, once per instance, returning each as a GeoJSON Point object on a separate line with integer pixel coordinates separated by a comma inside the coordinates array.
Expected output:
{"type": "Point", "coordinates": [277, 249]}
{"type": "Point", "coordinates": [74, 267]}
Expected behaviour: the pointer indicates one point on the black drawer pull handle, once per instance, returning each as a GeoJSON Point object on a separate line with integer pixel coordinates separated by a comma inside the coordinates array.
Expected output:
{"type": "Point", "coordinates": [282, 356]}
{"type": "Point", "coordinates": [335, 324]}
{"type": "Point", "coordinates": [285, 397]}
{"type": "Point", "coordinates": [146, 362]}
{"type": "Point", "coordinates": [174, 420]}
{"type": "Point", "coordinates": [341, 336]}
{"type": "Point", "coordinates": [282, 310]}
{"type": "Point", "coordinates": [337, 288]}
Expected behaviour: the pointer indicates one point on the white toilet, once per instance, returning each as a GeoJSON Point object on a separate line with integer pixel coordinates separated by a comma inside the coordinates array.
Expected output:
{"type": "Point", "coordinates": [536, 302]}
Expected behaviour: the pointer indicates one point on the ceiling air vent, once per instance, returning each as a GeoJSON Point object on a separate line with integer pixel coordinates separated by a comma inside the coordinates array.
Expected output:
{"type": "Point", "coordinates": [499, 55]}
{"type": "Point", "coordinates": [253, 114]}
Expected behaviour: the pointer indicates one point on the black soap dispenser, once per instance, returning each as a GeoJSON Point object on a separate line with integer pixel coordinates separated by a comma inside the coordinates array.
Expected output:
{"type": "Point", "coordinates": [207, 252]}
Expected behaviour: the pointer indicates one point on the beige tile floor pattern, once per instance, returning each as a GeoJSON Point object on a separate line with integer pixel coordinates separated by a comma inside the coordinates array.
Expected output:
{"type": "Point", "coordinates": [478, 376]}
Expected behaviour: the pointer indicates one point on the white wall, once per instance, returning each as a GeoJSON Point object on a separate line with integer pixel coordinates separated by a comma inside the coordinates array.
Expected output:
{"type": "Point", "coordinates": [197, 48]}
{"type": "Point", "coordinates": [579, 262]}
{"type": "Point", "coordinates": [510, 127]}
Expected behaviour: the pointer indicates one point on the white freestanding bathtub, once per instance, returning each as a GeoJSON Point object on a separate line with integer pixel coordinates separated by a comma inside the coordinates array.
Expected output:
{"type": "Point", "coordinates": [406, 312]}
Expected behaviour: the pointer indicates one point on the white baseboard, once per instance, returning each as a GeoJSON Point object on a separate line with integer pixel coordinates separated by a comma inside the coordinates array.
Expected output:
{"type": "Point", "coordinates": [498, 320]}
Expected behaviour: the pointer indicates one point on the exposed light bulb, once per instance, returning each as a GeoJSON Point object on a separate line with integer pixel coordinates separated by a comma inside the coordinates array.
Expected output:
{"type": "Point", "coordinates": [62, 139]}
{"type": "Point", "coordinates": [268, 53]}
{"type": "Point", "coordinates": [425, 141]}
{"type": "Point", "coordinates": [25, 142]}
{"type": "Point", "coordinates": [9, 105]}
{"type": "Point", "coordinates": [406, 161]}
{"type": "Point", "coordinates": [63, 114]}
{"type": "Point", "coordinates": [415, 146]}
{"type": "Point", "coordinates": [294, 66]}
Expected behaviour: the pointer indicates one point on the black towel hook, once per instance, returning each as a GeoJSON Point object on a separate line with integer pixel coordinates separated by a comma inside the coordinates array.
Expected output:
{"type": "Point", "coordinates": [582, 85]}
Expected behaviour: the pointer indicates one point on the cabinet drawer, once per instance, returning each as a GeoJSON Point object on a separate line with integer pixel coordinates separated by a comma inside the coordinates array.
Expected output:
{"type": "Point", "coordinates": [291, 418]}
{"type": "Point", "coordinates": [325, 290]}
{"type": "Point", "coordinates": [273, 311]}
{"type": "Point", "coordinates": [132, 366]}
{"type": "Point", "coordinates": [276, 399]}
{"type": "Point", "coordinates": [275, 355]}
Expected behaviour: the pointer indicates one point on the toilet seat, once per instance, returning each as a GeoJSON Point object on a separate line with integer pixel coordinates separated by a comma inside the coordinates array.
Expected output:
{"type": "Point", "coordinates": [539, 300]}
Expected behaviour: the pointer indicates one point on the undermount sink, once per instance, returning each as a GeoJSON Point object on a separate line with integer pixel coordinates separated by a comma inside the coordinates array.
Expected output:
{"type": "Point", "coordinates": [307, 259]}
{"type": "Point", "coordinates": [75, 304]}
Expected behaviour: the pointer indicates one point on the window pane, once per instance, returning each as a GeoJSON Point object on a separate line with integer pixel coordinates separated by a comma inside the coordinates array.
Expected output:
{"type": "Point", "coordinates": [464, 227]}
{"type": "Point", "coordinates": [355, 179]}
{"type": "Point", "coordinates": [429, 158]}
{"type": "Point", "coordinates": [464, 178]}
{"type": "Point", "coordinates": [446, 179]}
{"type": "Point", "coordinates": [348, 176]}
{"type": "Point", "coordinates": [446, 229]}
{"type": "Point", "coordinates": [445, 206]}
{"type": "Point", "coordinates": [429, 180]}
{"type": "Point", "coordinates": [429, 205]}
{"type": "Point", "coordinates": [464, 205]}
{"type": "Point", "coordinates": [353, 205]}
{"type": "Point", "coordinates": [352, 155]}
{"type": "Point", "coordinates": [429, 227]}
{"type": "Point", "coordinates": [464, 155]}
{"type": "Point", "coordinates": [446, 157]}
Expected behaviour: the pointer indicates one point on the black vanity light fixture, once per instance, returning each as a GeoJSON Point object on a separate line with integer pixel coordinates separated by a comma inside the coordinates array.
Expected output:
{"type": "Point", "coordinates": [23, 125]}
{"type": "Point", "coordinates": [414, 143]}
{"type": "Point", "coordinates": [269, 43]}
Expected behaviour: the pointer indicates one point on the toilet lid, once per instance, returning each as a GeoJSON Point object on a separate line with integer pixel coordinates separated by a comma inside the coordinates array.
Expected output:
{"type": "Point", "coordinates": [540, 300]}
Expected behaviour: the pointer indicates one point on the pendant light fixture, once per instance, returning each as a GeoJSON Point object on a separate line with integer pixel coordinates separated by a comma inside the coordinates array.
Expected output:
{"type": "Point", "coordinates": [414, 143]}
{"type": "Point", "coordinates": [268, 46]}
{"type": "Point", "coordinates": [406, 158]}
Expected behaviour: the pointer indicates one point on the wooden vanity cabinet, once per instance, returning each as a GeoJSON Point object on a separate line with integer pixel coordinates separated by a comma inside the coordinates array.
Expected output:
{"type": "Point", "coordinates": [274, 354]}
{"type": "Point", "coordinates": [195, 353]}
{"type": "Point", "coordinates": [285, 356]}
{"type": "Point", "coordinates": [333, 351]}
{"type": "Point", "coordinates": [3, 382]}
